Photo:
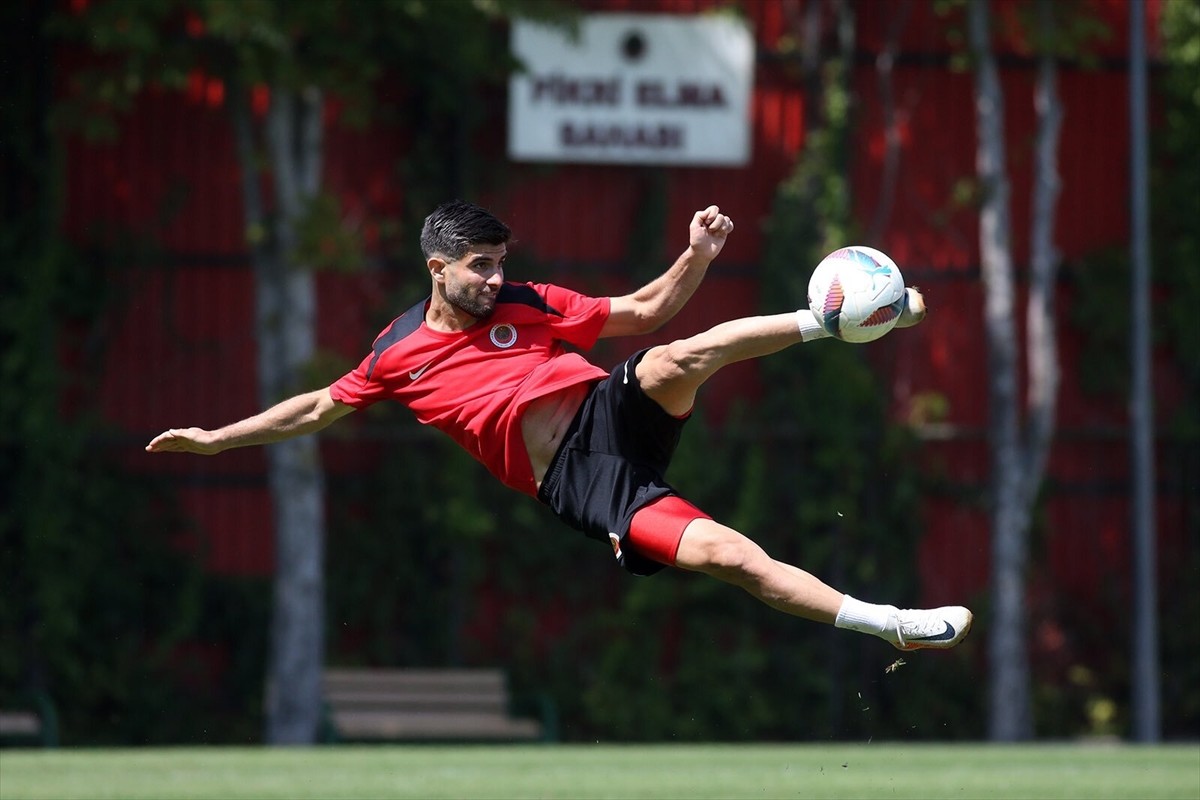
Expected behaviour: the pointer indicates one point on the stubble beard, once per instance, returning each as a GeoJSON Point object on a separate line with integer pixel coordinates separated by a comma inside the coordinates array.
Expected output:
{"type": "Point", "coordinates": [476, 305]}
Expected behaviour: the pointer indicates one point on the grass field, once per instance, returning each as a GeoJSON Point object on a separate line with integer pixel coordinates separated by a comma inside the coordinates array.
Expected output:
{"type": "Point", "coordinates": [629, 771]}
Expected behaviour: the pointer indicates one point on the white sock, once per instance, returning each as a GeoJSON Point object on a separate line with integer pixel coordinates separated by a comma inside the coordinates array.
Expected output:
{"type": "Point", "coordinates": [855, 615]}
{"type": "Point", "coordinates": [809, 327]}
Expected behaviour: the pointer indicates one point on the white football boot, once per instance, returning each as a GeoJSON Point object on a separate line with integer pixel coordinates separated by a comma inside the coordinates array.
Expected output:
{"type": "Point", "coordinates": [914, 308]}
{"type": "Point", "coordinates": [933, 628]}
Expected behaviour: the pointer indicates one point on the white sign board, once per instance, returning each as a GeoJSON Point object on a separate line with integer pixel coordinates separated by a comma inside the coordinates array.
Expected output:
{"type": "Point", "coordinates": [633, 89]}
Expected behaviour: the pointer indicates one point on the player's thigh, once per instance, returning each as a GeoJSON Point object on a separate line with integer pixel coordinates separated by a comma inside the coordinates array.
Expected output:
{"type": "Point", "coordinates": [670, 375]}
{"type": "Point", "coordinates": [657, 528]}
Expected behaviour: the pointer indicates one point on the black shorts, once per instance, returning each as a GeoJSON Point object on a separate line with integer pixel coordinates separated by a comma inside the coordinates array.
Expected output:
{"type": "Point", "coordinates": [611, 463]}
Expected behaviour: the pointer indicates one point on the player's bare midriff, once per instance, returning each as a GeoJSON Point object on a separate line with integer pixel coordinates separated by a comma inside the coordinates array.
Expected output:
{"type": "Point", "coordinates": [544, 424]}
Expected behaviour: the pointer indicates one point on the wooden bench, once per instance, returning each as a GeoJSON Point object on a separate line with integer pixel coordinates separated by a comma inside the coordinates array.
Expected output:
{"type": "Point", "coordinates": [423, 704]}
{"type": "Point", "coordinates": [30, 721]}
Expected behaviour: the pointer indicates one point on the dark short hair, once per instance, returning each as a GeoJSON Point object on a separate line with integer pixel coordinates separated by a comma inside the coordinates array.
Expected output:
{"type": "Point", "coordinates": [454, 226]}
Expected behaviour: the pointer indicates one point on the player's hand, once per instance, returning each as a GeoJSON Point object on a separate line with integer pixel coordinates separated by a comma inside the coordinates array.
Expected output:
{"type": "Point", "coordinates": [708, 232]}
{"type": "Point", "coordinates": [183, 440]}
{"type": "Point", "coordinates": [914, 309]}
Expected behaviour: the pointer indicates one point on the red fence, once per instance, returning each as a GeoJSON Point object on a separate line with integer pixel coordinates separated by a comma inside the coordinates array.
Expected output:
{"type": "Point", "coordinates": [182, 343]}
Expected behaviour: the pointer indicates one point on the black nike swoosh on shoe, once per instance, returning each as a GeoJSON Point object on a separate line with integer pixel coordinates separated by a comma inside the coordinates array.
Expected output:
{"type": "Point", "coordinates": [944, 636]}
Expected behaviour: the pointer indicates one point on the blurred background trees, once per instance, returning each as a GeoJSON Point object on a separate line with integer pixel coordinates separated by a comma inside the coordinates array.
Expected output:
{"type": "Point", "coordinates": [1020, 433]}
{"type": "Point", "coordinates": [112, 604]}
{"type": "Point", "coordinates": [292, 54]}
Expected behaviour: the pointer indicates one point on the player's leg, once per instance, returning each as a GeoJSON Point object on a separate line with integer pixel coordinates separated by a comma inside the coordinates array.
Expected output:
{"type": "Point", "coordinates": [713, 549]}
{"type": "Point", "coordinates": [671, 374]}
{"type": "Point", "coordinates": [721, 552]}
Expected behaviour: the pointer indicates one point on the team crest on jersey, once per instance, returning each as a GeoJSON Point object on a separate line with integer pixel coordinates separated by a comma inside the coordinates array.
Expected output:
{"type": "Point", "coordinates": [503, 335]}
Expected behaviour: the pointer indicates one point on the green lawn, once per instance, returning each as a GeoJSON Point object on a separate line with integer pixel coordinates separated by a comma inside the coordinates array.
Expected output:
{"type": "Point", "coordinates": [583, 771]}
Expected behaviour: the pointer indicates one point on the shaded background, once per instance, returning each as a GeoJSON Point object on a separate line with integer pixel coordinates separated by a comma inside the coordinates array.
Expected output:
{"type": "Point", "coordinates": [137, 590]}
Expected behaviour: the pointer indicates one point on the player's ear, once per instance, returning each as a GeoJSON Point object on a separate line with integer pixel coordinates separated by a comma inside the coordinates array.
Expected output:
{"type": "Point", "coordinates": [437, 268]}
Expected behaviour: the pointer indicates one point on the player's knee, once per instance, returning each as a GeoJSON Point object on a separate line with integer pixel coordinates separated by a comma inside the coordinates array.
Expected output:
{"type": "Point", "coordinates": [724, 554]}
{"type": "Point", "coordinates": [730, 559]}
{"type": "Point", "coordinates": [683, 357]}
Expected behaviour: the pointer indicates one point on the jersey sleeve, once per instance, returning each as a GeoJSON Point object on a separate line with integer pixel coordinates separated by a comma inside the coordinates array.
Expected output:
{"type": "Point", "coordinates": [371, 381]}
{"type": "Point", "coordinates": [575, 318]}
{"type": "Point", "coordinates": [358, 388]}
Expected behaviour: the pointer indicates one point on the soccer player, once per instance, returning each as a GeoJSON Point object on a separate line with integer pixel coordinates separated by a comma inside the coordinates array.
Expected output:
{"type": "Point", "coordinates": [483, 360]}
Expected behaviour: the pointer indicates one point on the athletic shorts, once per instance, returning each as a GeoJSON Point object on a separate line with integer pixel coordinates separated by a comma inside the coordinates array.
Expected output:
{"type": "Point", "coordinates": [610, 465]}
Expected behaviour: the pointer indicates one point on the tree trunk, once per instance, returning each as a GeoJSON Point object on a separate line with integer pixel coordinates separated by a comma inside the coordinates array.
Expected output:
{"type": "Point", "coordinates": [285, 331]}
{"type": "Point", "coordinates": [1145, 679]}
{"type": "Point", "coordinates": [1019, 463]}
{"type": "Point", "coordinates": [889, 172]}
{"type": "Point", "coordinates": [1042, 344]}
{"type": "Point", "coordinates": [1010, 717]}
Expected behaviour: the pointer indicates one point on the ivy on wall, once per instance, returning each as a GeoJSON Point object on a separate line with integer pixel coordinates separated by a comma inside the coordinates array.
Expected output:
{"type": "Point", "coordinates": [106, 614]}
{"type": "Point", "coordinates": [813, 471]}
{"type": "Point", "coordinates": [1100, 285]}
{"type": "Point", "coordinates": [98, 593]}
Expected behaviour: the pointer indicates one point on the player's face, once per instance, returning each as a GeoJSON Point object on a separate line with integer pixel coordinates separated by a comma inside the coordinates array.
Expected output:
{"type": "Point", "coordinates": [473, 281]}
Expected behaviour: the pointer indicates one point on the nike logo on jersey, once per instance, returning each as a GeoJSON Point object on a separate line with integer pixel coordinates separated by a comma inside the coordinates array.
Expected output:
{"type": "Point", "coordinates": [418, 373]}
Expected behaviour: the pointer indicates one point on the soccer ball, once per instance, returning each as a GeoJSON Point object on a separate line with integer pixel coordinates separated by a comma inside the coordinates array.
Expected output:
{"type": "Point", "coordinates": [857, 294]}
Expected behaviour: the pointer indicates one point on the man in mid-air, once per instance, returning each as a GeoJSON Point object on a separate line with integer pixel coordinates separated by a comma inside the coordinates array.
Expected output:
{"type": "Point", "coordinates": [484, 361]}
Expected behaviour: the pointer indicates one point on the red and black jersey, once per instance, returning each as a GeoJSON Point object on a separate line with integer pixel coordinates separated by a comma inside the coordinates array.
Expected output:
{"type": "Point", "coordinates": [474, 385]}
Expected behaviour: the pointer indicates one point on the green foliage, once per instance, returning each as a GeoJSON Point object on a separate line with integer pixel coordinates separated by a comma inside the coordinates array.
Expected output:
{"type": "Point", "coordinates": [98, 592]}
{"type": "Point", "coordinates": [679, 656]}
{"type": "Point", "coordinates": [814, 472]}
{"type": "Point", "coordinates": [384, 61]}
{"type": "Point", "coordinates": [1175, 248]}
{"type": "Point", "coordinates": [339, 45]}
{"type": "Point", "coordinates": [1101, 313]}
{"type": "Point", "coordinates": [838, 485]}
{"type": "Point", "coordinates": [431, 561]}
{"type": "Point", "coordinates": [134, 52]}
{"type": "Point", "coordinates": [324, 241]}
{"type": "Point", "coordinates": [399, 566]}
{"type": "Point", "coordinates": [1099, 292]}
{"type": "Point", "coordinates": [207, 635]}
{"type": "Point", "coordinates": [1070, 30]}
{"type": "Point", "coordinates": [1101, 309]}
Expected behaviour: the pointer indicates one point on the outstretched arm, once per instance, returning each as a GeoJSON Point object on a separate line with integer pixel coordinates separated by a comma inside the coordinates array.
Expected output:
{"type": "Point", "coordinates": [304, 413]}
{"type": "Point", "coordinates": [651, 306]}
